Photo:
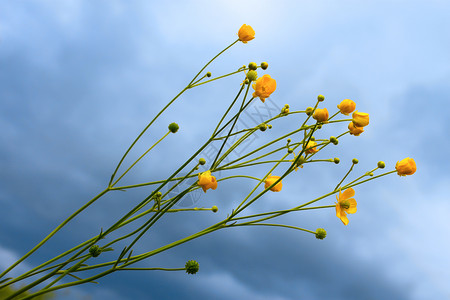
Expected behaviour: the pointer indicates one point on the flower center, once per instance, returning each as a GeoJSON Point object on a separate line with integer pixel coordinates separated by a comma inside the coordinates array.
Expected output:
{"type": "Point", "coordinates": [345, 204]}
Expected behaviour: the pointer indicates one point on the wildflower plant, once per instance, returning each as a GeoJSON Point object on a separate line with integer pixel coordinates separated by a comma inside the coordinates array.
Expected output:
{"type": "Point", "coordinates": [300, 146]}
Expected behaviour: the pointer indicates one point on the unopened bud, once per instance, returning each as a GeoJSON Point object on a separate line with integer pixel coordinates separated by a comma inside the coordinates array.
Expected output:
{"type": "Point", "coordinates": [381, 164]}
{"type": "Point", "coordinates": [252, 66]}
{"type": "Point", "coordinates": [354, 161]}
{"type": "Point", "coordinates": [214, 209]}
{"type": "Point", "coordinates": [202, 161]}
{"type": "Point", "coordinates": [95, 250]}
{"type": "Point", "coordinates": [252, 75]}
{"type": "Point", "coordinates": [191, 267]}
{"type": "Point", "coordinates": [264, 65]}
{"type": "Point", "coordinates": [320, 98]}
{"type": "Point", "coordinates": [321, 233]}
{"type": "Point", "coordinates": [173, 127]}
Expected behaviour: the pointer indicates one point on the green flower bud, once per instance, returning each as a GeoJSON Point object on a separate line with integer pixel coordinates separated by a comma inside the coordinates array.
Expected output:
{"type": "Point", "coordinates": [214, 209]}
{"type": "Point", "coordinates": [333, 139]}
{"type": "Point", "coordinates": [286, 105]}
{"type": "Point", "coordinates": [202, 161]}
{"type": "Point", "coordinates": [336, 160]}
{"type": "Point", "coordinates": [208, 74]}
{"type": "Point", "coordinates": [319, 126]}
{"type": "Point", "coordinates": [262, 127]}
{"type": "Point", "coordinates": [309, 110]}
{"type": "Point", "coordinates": [321, 233]}
{"type": "Point", "coordinates": [313, 138]}
{"type": "Point", "coordinates": [290, 150]}
{"type": "Point", "coordinates": [173, 127]}
{"type": "Point", "coordinates": [252, 75]}
{"type": "Point", "coordinates": [95, 250]}
{"type": "Point", "coordinates": [288, 141]}
{"type": "Point", "coordinates": [320, 98]}
{"type": "Point", "coordinates": [354, 161]}
{"type": "Point", "coordinates": [371, 174]}
{"type": "Point", "coordinates": [246, 81]}
{"type": "Point", "coordinates": [252, 66]}
{"type": "Point", "coordinates": [158, 195]}
{"type": "Point", "coordinates": [191, 267]}
{"type": "Point", "coordinates": [381, 164]}
{"type": "Point", "coordinates": [264, 65]}
{"type": "Point", "coordinates": [269, 126]}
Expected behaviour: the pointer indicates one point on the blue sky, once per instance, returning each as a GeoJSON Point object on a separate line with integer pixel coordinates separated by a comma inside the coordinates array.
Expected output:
{"type": "Point", "coordinates": [80, 79]}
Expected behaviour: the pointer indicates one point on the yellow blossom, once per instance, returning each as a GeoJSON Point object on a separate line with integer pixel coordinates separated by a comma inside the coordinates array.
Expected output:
{"type": "Point", "coordinates": [206, 181]}
{"type": "Point", "coordinates": [320, 115]}
{"type": "Point", "coordinates": [311, 147]}
{"type": "Point", "coordinates": [246, 33]}
{"type": "Point", "coordinates": [347, 106]}
{"type": "Point", "coordinates": [405, 167]}
{"type": "Point", "coordinates": [270, 180]}
{"type": "Point", "coordinates": [360, 119]}
{"type": "Point", "coordinates": [264, 86]}
{"type": "Point", "coordinates": [345, 205]}
{"type": "Point", "coordinates": [356, 131]}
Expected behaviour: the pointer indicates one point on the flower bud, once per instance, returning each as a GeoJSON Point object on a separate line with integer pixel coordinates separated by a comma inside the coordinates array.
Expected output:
{"type": "Point", "coordinates": [336, 160]}
{"type": "Point", "coordinates": [333, 139]}
{"type": "Point", "coordinates": [262, 127]}
{"type": "Point", "coordinates": [381, 164]}
{"type": "Point", "coordinates": [356, 131]}
{"type": "Point", "coordinates": [309, 110]}
{"type": "Point", "coordinates": [290, 150]}
{"type": "Point", "coordinates": [158, 195]}
{"type": "Point", "coordinates": [271, 180]}
{"type": "Point", "coordinates": [347, 106]}
{"type": "Point", "coordinates": [311, 147]}
{"type": "Point", "coordinates": [288, 141]}
{"type": "Point", "coordinates": [269, 126]}
{"type": "Point", "coordinates": [214, 209]}
{"type": "Point", "coordinates": [202, 161]}
{"type": "Point", "coordinates": [360, 119]}
{"type": "Point", "coordinates": [246, 33]}
{"type": "Point", "coordinates": [252, 75]}
{"type": "Point", "coordinates": [321, 233]}
{"type": "Point", "coordinates": [95, 250]}
{"type": "Point", "coordinates": [313, 138]}
{"type": "Point", "coordinates": [264, 65]}
{"type": "Point", "coordinates": [252, 66]}
{"type": "Point", "coordinates": [406, 166]}
{"type": "Point", "coordinates": [320, 115]}
{"type": "Point", "coordinates": [191, 267]}
{"type": "Point", "coordinates": [320, 98]}
{"type": "Point", "coordinates": [173, 127]}
{"type": "Point", "coordinates": [208, 74]}
{"type": "Point", "coordinates": [355, 161]}
{"type": "Point", "coordinates": [285, 110]}
{"type": "Point", "coordinates": [300, 161]}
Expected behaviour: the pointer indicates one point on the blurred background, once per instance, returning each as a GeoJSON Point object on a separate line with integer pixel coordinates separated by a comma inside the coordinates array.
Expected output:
{"type": "Point", "coordinates": [80, 79]}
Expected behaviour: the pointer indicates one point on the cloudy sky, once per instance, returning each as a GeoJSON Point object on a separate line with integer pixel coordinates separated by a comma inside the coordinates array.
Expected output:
{"type": "Point", "coordinates": [80, 79]}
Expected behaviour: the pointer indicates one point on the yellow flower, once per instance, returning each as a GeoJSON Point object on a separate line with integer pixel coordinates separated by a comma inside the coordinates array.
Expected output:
{"type": "Point", "coordinates": [311, 147]}
{"type": "Point", "coordinates": [405, 167]}
{"type": "Point", "coordinates": [246, 33]}
{"type": "Point", "coordinates": [206, 181]}
{"type": "Point", "coordinates": [360, 119]}
{"type": "Point", "coordinates": [345, 205]}
{"type": "Point", "coordinates": [347, 106]}
{"type": "Point", "coordinates": [264, 86]}
{"type": "Point", "coordinates": [270, 180]}
{"type": "Point", "coordinates": [320, 115]}
{"type": "Point", "coordinates": [356, 131]}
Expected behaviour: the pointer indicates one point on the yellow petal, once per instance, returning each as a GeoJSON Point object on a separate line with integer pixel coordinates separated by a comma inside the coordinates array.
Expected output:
{"type": "Point", "coordinates": [352, 208]}
{"type": "Point", "coordinates": [347, 194]}
{"type": "Point", "coordinates": [343, 218]}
